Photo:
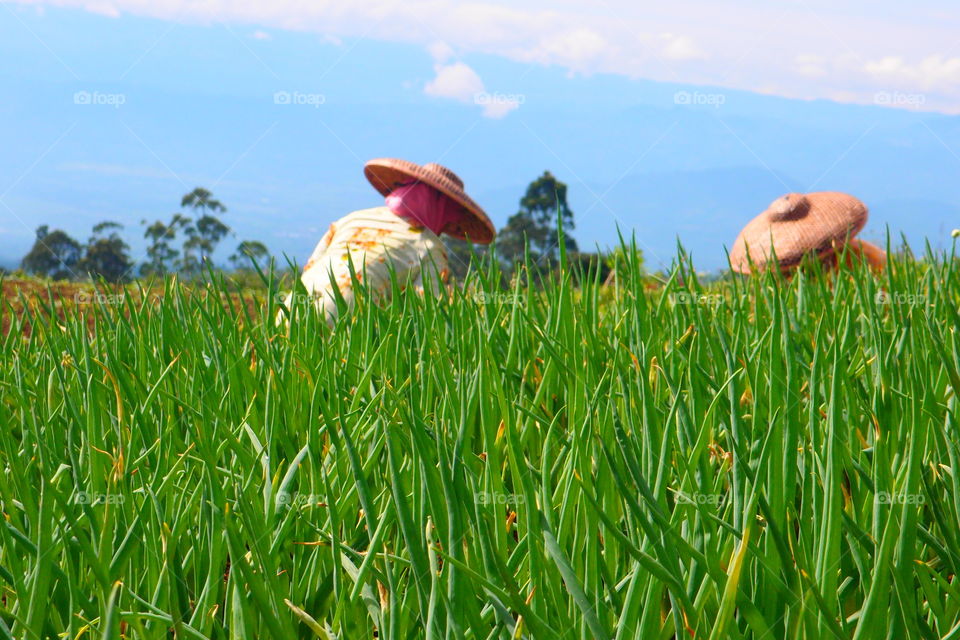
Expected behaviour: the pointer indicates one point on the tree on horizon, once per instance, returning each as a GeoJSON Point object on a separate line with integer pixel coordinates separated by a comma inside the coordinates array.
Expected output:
{"type": "Point", "coordinates": [249, 252]}
{"type": "Point", "coordinates": [106, 255]}
{"type": "Point", "coordinates": [204, 232]}
{"type": "Point", "coordinates": [201, 228]}
{"type": "Point", "coordinates": [535, 224]}
{"type": "Point", "coordinates": [54, 255]}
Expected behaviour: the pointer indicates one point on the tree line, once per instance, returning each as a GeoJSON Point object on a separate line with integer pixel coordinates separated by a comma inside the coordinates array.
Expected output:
{"type": "Point", "coordinates": [185, 243]}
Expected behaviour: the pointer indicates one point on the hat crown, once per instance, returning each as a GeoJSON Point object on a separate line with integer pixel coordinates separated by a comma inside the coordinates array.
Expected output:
{"type": "Point", "coordinates": [788, 207]}
{"type": "Point", "coordinates": [446, 173]}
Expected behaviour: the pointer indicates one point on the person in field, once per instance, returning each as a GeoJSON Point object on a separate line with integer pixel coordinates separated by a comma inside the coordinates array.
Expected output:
{"type": "Point", "coordinates": [798, 225]}
{"type": "Point", "coordinates": [422, 203]}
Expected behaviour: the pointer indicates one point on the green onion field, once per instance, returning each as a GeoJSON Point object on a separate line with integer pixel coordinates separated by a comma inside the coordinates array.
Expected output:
{"type": "Point", "coordinates": [758, 458]}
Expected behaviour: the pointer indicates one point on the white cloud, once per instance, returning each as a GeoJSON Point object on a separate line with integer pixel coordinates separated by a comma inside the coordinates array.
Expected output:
{"type": "Point", "coordinates": [934, 72]}
{"type": "Point", "coordinates": [261, 35]}
{"type": "Point", "coordinates": [810, 65]}
{"type": "Point", "coordinates": [526, 34]}
{"type": "Point", "coordinates": [887, 66]}
{"type": "Point", "coordinates": [456, 81]}
{"type": "Point", "coordinates": [739, 44]}
{"type": "Point", "coordinates": [680, 48]}
{"type": "Point", "coordinates": [440, 51]}
{"type": "Point", "coordinates": [103, 8]}
{"type": "Point", "coordinates": [497, 109]}
{"type": "Point", "coordinates": [577, 49]}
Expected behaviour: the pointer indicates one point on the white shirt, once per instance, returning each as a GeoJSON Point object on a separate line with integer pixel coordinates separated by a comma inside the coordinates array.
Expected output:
{"type": "Point", "coordinates": [375, 240]}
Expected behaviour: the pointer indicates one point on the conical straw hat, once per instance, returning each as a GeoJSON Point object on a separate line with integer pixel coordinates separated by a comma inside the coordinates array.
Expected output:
{"type": "Point", "coordinates": [795, 225]}
{"type": "Point", "coordinates": [386, 174]}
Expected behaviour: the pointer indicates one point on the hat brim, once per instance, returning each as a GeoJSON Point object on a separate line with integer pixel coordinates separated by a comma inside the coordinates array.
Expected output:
{"type": "Point", "coordinates": [832, 218]}
{"type": "Point", "coordinates": [386, 174]}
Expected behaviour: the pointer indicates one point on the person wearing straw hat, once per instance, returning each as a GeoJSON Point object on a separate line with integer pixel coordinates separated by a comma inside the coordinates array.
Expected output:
{"type": "Point", "coordinates": [797, 225]}
{"type": "Point", "coordinates": [422, 203]}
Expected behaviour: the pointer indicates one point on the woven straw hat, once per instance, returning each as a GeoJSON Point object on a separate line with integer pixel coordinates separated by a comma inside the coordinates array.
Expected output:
{"type": "Point", "coordinates": [386, 174]}
{"type": "Point", "coordinates": [795, 225]}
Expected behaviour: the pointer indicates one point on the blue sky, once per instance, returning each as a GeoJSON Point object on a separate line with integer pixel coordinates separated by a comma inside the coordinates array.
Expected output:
{"type": "Point", "coordinates": [114, 109]}
{"type": "Point", "coordinates": [845, 51]}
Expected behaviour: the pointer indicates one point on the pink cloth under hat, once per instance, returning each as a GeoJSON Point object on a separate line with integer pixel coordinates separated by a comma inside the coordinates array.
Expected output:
{"type": "Point", "coordinates": [387, 174]}
{"type": "Point", "coordinates": [425, 206]}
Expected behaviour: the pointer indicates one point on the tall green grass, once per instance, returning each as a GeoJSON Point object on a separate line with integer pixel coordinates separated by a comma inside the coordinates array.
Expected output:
{"type": "Point", "coordinates": [761, 459]}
